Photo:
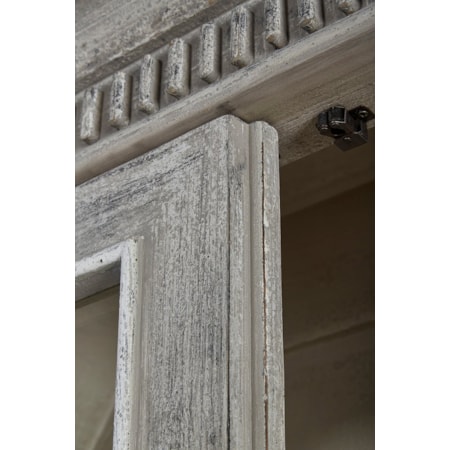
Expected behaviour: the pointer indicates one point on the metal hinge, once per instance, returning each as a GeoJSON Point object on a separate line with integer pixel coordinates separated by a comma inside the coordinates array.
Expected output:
{"type": "Point", "coordinates": [348, 128]}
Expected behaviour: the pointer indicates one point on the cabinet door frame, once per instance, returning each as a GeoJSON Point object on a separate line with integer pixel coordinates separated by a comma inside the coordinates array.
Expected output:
{"type": "Point", "coordinates": [121, 265]}
{"type": "Point", "coordinates": [209, 199]}
{"type": "Point", "coordinates": [287, 87]}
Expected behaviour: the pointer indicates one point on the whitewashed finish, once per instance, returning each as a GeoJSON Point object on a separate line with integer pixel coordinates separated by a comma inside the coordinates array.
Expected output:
{"type": "Point", "coordinates": [241, 40]}
{"type": "Point", "coordinates": [120, 100]}
{"type": "Point", "coordinates": [149, 85]}
{"type": "Point", "coordinates": [208, 379]}
{"type": "Point", "coordinates": [91, 115]}
{"type": "Point", "coordinates": [299, 82]}
{"type": "Point", "coordinates": [348, 6]}
{"type": "Point", "coordinates": [111, 34]}
{"type": "Point", "coordinates": [178, 68]}
{"type": "Point", "coordinates": [311, 15]}
{"type": "Point", "coordinates": [210, 40]}
{"type": "Point", "coordinates": [267, 358]}
{"type": "Point", "coordinates": [275, 22]}
{"type": "Point", "coordinates": [100, 271]}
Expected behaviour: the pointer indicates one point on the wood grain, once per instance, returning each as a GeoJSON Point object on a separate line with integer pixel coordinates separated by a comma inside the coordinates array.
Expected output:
{"type": "Point", "coordinates": [334, 65]}
{"type": "Point", "coordinates": [199, 202]}
{"type": "Point", "coordinates": [94, 273]}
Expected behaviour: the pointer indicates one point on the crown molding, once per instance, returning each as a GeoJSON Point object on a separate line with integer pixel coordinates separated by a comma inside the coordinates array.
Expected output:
{"type": "Point", "coordinates": [264, 60]}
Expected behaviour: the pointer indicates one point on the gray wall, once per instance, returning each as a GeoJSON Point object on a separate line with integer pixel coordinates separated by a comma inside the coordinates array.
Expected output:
{"type": "Point", "coordinates": [96, 320]}
{"type": "Point", "coordinates": [328, 313]}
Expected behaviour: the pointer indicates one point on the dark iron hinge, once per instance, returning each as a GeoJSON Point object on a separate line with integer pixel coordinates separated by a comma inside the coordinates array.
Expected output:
{"type": "Point", "coordinates": [348, 128]}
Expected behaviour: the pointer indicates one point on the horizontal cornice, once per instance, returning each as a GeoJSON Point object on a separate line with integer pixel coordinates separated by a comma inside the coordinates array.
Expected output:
{"type": "Point", "coordinates": [245, 60]}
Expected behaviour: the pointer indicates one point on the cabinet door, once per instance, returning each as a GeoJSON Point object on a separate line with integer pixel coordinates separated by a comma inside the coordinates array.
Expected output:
{"type": "Point", "coordinates": [191, 230]}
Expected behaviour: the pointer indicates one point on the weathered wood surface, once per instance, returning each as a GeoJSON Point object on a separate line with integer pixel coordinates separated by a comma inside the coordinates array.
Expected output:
{"type": "Point", "coordinates": [207, 205]}
{"type": "Point", "coordinates": [99, 271]}
{"type": "Point", "coordinates": [286, 88]}
{"type": "Point", "coordinates": [275, 22]}
{"type": "Point", "coordinates": [113, 33]}
{"type": "Point", "coordinates": [266, 288]}
{"type": "Point", "coordinates": [148, 101]}
{"type": "Point", "coordinates": [210, 48]}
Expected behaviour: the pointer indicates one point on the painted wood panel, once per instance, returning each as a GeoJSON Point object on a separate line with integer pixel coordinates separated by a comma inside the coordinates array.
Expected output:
{"type": "Point", "coordinates": [112, 33]}
{"type": "Point", "coordinates": [207, 205]}
{"type": "Point", "coordinates": [288, 88]}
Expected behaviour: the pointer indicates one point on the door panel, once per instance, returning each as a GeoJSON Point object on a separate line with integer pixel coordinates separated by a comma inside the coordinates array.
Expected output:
{"type": "Point", "coordinates": [211, 351]}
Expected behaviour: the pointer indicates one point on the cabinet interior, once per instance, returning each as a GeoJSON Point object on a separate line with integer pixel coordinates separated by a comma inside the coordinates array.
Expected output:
{"type": "Point", "coordinates": [327, 207]}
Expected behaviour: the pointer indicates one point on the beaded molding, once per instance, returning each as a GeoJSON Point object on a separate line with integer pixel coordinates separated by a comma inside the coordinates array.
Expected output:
{"type": "Point", "coordinates": [206, 55]}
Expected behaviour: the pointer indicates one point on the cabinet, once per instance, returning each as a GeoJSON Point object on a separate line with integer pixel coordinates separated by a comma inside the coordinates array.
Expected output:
{"type": "Point", "coordinates": [186, 115]}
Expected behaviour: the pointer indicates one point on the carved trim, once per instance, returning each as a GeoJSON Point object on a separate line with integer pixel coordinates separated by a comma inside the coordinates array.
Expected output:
{"type": "Point", "coordinates": [311, 15]}
{"type": "Point", "coordinates": [91, 115]}
{"type": "Point", "coordinates": [241, 41]}
{"type": "Point", "coordinates": [179, 68]}
{"type": "Point", "coordinates": [207, 56]}
{"type": "Point", "coordinates": [210, 46]}
{"type": "Point", "coordinates": [148, 101]}
{"type": "Point", "coordinates": [276, 30]}
{"type": "Point", "coordinates": [348, 6]}
{"type": "Point", "coordinates": [119, 106]}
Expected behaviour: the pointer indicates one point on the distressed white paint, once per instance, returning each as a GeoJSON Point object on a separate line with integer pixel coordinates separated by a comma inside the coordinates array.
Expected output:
{"type": "Point", "coordinates": [210, 57]}
{"type": "Point", "coordinates": [348, 6]}
{"type": "Point", "coordinates": [149, 82]}
{"type": "Point", "coordinates": [91, 115]}
{"type": "Point", "coordinates": [241, 40]}
{"type": "Point", "coordinates": [93, 274]}
{"type": "Point", "coordinates": [267, 358]}
{"type": "Point", "coordinates": [207, 206]}
{"type": "Point", "coordinates": [298, 82]}
{"type": "Point", "coordinates": [111, 34]}
{"type": "Point", "coordinates": [311, 15]}
{"type": "Point", "coordinates": [275, 22]}
{"type": "Point", "coordinates": [178, 71]}
{"type": "Point", "coordinates": [120, 100]}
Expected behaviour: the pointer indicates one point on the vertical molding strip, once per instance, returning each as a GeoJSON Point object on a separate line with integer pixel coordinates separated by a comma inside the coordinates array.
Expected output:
{"type": "Point", "coordinates": [348, 6]}
{"type": "Point", "coordinates": [149, 83]}
{"type": "Point", "coordinates": [120, 103]}
{"type": "Point", "coordinates": [270, 221]}
{"type": "Point", "coordinates": [178, 68]}
{"type": "Point", "coordinates": [256, 366]}
{"type": "Point", "coordinates": [210, 52]}
{"type": "Point", "coordinates": [311, 15]}
{"type": "Point", "coordinates": [91, 115]}
{"type": "Point", "coordinates": [275, 27]}
{"type": "Point", "coordinates": [241, 37]}
{"type": "Point", "coordinates": [128, 347]}
{"type": "Point", "coordinates": [91, 275]}
{"type": "Point", "coordinates": [240, 334]}
{"type": "Point", "coordinates": [267, 345]}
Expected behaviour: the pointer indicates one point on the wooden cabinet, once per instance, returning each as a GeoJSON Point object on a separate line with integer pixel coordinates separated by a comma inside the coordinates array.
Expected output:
{"type": "Point", "coordinates": [186, 115]}
{"type": "Point", "coordinates": [191, 231]}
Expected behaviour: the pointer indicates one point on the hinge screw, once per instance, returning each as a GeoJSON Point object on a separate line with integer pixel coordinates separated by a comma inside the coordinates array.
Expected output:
{"type": "Point", "coordinates": [363, 114]}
